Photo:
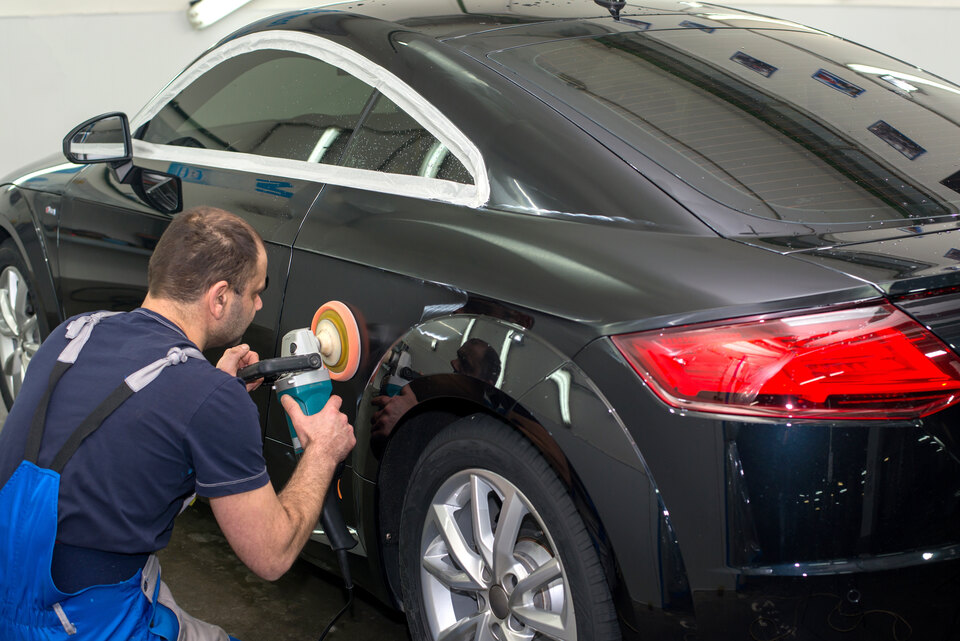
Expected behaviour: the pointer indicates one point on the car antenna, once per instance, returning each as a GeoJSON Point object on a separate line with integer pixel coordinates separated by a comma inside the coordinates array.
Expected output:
{"type": "Point", "coordinates": [614, 6]}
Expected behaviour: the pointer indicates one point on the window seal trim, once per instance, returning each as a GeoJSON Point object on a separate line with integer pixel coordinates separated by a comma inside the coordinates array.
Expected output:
{"type": "Point", "coordinates": [397, 184]}
{"type": "Point", "coordinates": [431, 118]}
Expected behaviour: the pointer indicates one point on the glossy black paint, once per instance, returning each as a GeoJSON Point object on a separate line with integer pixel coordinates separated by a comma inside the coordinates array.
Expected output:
{"type": "Point", "coordinates": [924, 261]}
{"type": "Point", "coordinates": [31, 209]}
{"type": "Point", "coordinates": [612, 276]}
{"type": "Point", "coordinates": [706, 526]}
{"type": "Point", "coordinates": [940, 313]}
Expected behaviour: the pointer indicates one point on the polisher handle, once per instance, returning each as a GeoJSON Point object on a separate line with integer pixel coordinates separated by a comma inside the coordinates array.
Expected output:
{"type": "Point", "coordinates": [272, 368]}
{"type": "Point", "coordinates": [336, 528]}
{"type": "Point", "coordinates": [332, 520]}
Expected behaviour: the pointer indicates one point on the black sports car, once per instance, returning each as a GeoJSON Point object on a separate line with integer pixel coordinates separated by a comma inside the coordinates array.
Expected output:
{"type": "Point", "coordinates": [659, 304]}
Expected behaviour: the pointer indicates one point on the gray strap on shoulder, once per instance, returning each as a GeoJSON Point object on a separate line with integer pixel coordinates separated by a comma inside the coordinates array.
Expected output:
{"type": "Point", "coordinates": [78, 332]}
{"type": "Point", "coordinates": [133, 383]}
{"type": "Point", "coordinates": [145, 375]}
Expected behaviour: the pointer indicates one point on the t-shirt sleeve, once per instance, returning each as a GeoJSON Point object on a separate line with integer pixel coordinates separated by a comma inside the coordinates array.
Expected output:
{"type": "Point", "coordinates": [225, 443]}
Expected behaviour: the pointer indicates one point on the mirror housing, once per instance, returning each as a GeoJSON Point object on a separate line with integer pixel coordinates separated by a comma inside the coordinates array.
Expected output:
{"type": "Point", "coordinates": [105, 138]}
{"type": "Point", "coordinates": [161, 191]}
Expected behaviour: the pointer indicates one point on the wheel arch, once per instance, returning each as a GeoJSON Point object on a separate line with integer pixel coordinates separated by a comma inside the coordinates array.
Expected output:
{"type": "Point", "coordinates": [554, 406]}
{"type": "Point", "coordinates": [21, 222]}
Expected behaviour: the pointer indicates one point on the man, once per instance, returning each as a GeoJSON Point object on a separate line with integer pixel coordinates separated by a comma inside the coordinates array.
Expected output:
{"type": "Point", "coordinates": [172, 425]}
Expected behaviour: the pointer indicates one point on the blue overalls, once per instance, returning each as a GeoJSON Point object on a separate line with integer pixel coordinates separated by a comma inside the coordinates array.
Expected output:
{"type": "Point", "coordinates": [31, 606]}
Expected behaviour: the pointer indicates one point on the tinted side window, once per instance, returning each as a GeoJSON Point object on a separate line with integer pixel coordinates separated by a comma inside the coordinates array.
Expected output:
{"type": "Point", "coordinates": [272, 103]}
{"type": "Point", "coordinates": [391, 141]}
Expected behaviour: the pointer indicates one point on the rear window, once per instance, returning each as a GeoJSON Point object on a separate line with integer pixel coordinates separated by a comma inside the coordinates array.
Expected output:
{"type": "Point", "coordinates": [766, 122]}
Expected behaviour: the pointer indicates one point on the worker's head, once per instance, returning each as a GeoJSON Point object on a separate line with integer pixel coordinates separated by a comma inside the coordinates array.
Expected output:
{"type": "Point", "coordinates": [207, 252]}
{"type": "Point", "coordinates": [478, 359]}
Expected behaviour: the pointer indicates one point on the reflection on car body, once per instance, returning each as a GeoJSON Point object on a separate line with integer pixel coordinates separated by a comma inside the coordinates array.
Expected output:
{"type": "Point", "coordinates": [660, 310]}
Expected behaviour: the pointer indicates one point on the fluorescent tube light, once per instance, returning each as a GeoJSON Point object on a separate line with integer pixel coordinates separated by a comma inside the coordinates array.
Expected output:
{"type": "Point", "coordinates": [204, 13]}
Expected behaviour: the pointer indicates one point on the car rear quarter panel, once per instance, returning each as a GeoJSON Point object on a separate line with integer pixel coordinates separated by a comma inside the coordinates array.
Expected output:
{"type": "Point", "coordinates": [404, 265]}
{"type": "Point", "coordinates": [558, 410]}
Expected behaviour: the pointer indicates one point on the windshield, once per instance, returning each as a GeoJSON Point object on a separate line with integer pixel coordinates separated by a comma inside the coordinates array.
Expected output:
{"type": "Point", "coordinates": [767, 122]}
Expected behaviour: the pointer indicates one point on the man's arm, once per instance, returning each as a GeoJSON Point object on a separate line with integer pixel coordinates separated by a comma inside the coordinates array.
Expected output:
{"type": "Point", "coordinates": [267, 530]}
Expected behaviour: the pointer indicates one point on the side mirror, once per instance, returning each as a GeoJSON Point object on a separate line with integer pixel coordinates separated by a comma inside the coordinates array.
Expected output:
{"type": "Point", "coordinates": [105, 138]}
{"type": "Point", "coordinates": [161, 191]}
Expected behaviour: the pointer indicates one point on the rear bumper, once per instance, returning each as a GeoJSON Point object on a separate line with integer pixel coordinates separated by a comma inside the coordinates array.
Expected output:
{"type": "Point", "coordinates": [803, 559]}
{"type": "Point", "coordinates": [839, 532]}
{"type": "Point", "coordinates": [917, 602]}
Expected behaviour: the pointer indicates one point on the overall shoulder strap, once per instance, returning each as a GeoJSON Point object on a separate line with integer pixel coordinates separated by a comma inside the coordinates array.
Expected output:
{"type": "Point", "coordinates": [131, 384]}
{"type": "Point", "coordinates": [78, 332]}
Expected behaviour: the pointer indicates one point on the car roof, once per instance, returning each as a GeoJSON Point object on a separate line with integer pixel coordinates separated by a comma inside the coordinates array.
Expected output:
{"type": "Point", "coordinates": [550, 20]}
{"type": "Point", "coordinates": [490, 19]}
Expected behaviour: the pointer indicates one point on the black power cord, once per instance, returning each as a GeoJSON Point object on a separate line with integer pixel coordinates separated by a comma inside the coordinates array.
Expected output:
{"type": "Point", "coordinates": [348, 584]}
{"type": "Point", "coordinates": [340, 540]}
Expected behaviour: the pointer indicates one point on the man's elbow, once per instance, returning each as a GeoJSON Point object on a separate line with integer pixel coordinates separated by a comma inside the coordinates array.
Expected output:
{"type": "Point", "coordinates": [271, 569]}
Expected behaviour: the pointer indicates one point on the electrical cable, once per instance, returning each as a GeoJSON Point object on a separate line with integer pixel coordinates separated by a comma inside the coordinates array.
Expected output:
{"type": "Point", "coordinates": [323, 634]}
{"type": "Point", "coordinates": [859, 617]}
{"type": "Point", "coordinates": [348, 584]}
{"type": "Point", "coordinates": [848, 621]}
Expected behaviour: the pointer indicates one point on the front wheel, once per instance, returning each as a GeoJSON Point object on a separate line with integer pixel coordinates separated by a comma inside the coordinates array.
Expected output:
{"type": "Point", "coordinates": [492, 547]}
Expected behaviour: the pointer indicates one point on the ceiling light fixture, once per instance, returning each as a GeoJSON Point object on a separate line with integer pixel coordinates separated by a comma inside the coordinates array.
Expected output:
{"type": "Point", "coordinates": [909, 78]}
{"type": "Point", "coordinates": [203, 13]}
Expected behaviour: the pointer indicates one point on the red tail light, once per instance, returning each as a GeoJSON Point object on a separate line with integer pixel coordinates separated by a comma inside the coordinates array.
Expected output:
{"type": "Point", "coordinates": [863, 362]}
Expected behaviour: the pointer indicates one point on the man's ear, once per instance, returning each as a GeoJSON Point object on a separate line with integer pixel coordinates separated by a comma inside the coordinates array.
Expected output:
{"type": "Point", "coordinates": [216, 299]}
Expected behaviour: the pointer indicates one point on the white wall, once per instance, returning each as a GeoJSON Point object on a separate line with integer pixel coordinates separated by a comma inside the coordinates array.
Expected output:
{"type": "Point", "coordinates": [62, 69]}
{"type": "Point", "coordinates": [67, 60]}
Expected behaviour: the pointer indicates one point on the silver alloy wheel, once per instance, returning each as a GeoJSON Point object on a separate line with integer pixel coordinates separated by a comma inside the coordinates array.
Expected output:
{"type": "Point", "coordinates": [490, 570]}
{"type": "Point", "coordinates": [19, 330]}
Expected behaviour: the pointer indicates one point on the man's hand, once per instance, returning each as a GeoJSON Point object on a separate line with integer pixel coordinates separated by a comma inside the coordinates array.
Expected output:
{"type": "Point", "coordinates": [328, 429]}
{"type": "Point", "coordinates": [236, 358]}
{"type": "Point", "coordinates": [266, 530]}
{"type": "Point", "coordinates": [391, 409]}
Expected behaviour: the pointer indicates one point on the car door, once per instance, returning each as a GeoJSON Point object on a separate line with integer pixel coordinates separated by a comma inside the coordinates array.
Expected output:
{"type": "Point", "coordinates": [243, 129]}
{"type": "Point", "coordinates": [358, 240]}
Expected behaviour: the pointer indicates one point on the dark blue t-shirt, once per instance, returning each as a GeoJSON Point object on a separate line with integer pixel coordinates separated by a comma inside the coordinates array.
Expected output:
{"type": "Point", "coordinates": [194, 428]}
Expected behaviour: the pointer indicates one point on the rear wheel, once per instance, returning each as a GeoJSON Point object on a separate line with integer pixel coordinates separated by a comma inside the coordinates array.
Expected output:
{"type": "Point", "coordinates": [19, 323]}
{"type": "Point", "coordinates": [492, 548]}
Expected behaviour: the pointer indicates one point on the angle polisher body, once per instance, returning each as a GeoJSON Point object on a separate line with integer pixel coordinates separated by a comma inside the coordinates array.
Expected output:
{"type": "Point", "coordinates": [310, 358]}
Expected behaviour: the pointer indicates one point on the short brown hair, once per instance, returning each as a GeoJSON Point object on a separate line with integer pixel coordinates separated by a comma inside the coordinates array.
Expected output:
{"type": "Point", "coordinates": [202, 246]}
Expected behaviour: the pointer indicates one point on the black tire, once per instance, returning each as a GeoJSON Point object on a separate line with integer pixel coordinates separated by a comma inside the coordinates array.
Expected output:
{"type": "Point", "coordinates": [20, 322]}
{"type": "Point", "coordinates": [526, 515]}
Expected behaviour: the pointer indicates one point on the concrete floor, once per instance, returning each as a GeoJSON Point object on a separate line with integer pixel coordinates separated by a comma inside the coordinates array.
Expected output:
{"type": "Point", "coordinates": [209, 582]}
